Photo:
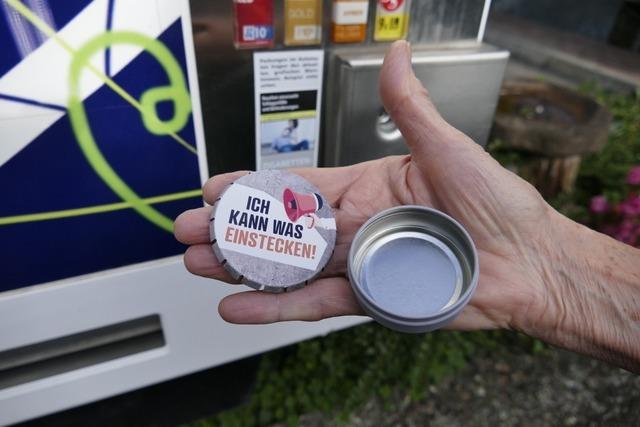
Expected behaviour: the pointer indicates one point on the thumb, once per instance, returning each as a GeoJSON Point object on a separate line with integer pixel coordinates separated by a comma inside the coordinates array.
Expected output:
{"type": "Point", "coordinates": [427, 134]}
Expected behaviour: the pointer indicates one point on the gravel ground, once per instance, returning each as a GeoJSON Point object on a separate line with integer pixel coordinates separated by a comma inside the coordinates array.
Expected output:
{"type": "Point", "coordinates": [554, 388]}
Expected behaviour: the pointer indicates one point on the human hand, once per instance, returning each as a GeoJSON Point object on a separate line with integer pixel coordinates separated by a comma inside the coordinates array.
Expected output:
{"type": "Point", "coordinates": [446, 170]}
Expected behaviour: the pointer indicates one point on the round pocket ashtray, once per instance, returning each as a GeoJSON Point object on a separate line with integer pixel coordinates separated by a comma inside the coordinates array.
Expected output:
{"type": "Point", "coordinates": [272, 230]}
{"type": "Point", "coordinates": [412, 268]}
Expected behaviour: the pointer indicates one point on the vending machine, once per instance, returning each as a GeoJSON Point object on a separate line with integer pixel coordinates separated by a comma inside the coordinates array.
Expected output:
{"type": "Point", "coordinates": [112, 115]}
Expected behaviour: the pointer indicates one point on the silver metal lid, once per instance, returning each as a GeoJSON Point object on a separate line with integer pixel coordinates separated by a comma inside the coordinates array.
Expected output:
{"type": "Point", "coordinates": [413, 268]}
{"type": "Point", "coordinates": [272, 230]}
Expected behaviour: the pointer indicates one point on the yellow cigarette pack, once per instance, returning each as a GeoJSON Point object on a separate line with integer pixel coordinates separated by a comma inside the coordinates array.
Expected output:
{"type": "Point", "coordinates": [392, 20]}
{"type": "Point", "coordinates": [303, 22]}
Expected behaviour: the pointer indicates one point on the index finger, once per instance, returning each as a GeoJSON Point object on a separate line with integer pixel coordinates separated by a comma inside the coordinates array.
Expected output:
{"type": "Point", "coordinates": [332, 182]}
{"type": "Point", "coordinates": [214, 186]}
{"type": "Point", "coordinates": [323, 298]}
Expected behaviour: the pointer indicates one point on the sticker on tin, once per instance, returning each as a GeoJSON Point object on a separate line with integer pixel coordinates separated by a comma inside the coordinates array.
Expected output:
{"type": "Point", "coordinates": [392, 20]}
{"type": "Point", "coordinates": [273, 230]}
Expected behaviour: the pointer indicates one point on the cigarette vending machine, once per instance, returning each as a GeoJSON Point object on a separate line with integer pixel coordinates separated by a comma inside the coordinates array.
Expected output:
{"type": "Point", "coordinates": [112, 115]}
{"type": "Point", "coordinates": [462, 73]}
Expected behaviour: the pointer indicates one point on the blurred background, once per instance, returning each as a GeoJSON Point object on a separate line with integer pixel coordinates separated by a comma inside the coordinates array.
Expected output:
{"type": "Point", "coordinates": [122, 335]}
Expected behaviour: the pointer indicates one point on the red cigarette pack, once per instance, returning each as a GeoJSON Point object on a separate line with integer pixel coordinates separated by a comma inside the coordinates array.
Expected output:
{"type": "Point", "coordinates": [253, 23]}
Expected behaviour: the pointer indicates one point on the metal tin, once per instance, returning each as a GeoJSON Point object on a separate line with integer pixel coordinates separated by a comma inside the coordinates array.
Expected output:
{"type": "Point", "coordinates": [272, 230]}
{"type": "Point", "coordinates": [412, 268]}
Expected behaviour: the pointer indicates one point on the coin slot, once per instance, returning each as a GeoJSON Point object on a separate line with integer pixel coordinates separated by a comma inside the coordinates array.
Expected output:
{"type": "Point", "coordinates": [87, 348]}
{"type": "Point", "coordinates": [386, 128]}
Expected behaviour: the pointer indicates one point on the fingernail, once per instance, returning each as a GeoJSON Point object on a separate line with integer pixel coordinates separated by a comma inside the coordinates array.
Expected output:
{"type": "Point", "coordinates": [404, 51]}
{"type": "Point", "coordinates": [405, 46]}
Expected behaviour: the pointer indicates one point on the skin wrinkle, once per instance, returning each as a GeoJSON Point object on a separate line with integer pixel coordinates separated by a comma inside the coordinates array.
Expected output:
{"type": "Point", "coordinates": [468, 201]}
{"type": "Point", "coordinates": [403, 195]}
{"type": "Point", "coordinates": [548, 305]}
{"type": "Point", "coordinates": [278, 308]}
{"type": "Point", "coordinates": [634, 310]}
{"type": "Point", "coordinates": [408, 168]}
{"type": "Point", "coordinates": [354, 177]}
{"type": "Point", "coordinates": [321, 306]}
{"type": "Point", "coordinates": [486, 215]}
{"type": "Point", "coordinates": [366, 202]}
{"type": "Point", "coordinates": [615, 305]}
{"type": "Point", "coordinates": [388, 177]}
{"type": "Point", "coordinates": [582, 323]}
{"type": "Point", "coordinates": [582, 311]}
{"type": "Point", "coordinates": [455, 150]}
{"type": "Point", "coordinates": [434, 195]}
{"type": "Point", "coordinates": [522, 298]}
{"type": "Point", "coordinates": [328, 305]}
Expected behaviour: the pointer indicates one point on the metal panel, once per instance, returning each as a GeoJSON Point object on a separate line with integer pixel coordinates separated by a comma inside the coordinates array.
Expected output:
{"type": "Point", "coordinates": [464, 84]}
{"type": "Point", "coordinates": [437, 21]}
{"type": "Point", "coordinates": [196, 336]}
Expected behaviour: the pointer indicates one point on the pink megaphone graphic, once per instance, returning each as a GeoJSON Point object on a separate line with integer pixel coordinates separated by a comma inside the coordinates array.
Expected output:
{"type": "Point", "coordinates": [297, 205]}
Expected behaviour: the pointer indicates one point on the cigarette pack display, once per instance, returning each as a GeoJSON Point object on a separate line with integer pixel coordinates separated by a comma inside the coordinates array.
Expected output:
{"type": "Point", "coordinates": [303, 22]}
{"type": "Point", "coordinates": [253, 24]}
{"type": "Point", "coordinates": [392, 20]}
{"type": "Point", "coordinates": [349, 21]}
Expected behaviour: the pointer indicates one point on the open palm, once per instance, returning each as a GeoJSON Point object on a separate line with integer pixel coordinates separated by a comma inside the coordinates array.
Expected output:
{"type": "Point", "coordinates": [504, 215]}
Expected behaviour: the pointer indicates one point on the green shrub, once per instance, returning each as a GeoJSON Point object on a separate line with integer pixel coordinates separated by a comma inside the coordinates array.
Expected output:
{"type": "Point", "coordinates": [338, 373]}
{"type": "Point", "coordinates": [605, 172]}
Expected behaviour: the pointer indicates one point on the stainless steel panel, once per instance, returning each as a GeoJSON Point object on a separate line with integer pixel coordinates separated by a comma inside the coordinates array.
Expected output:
{"type": "Point", "coordinates": [225, 78]}
{"type": "Point", "coordinates": [464, 83]}
{"type": "Point", "coordinates": [437, 21]}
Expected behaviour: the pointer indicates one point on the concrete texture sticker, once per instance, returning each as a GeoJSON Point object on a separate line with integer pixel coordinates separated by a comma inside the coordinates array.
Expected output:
{"type": "Point", "coordinates": [273, 230]}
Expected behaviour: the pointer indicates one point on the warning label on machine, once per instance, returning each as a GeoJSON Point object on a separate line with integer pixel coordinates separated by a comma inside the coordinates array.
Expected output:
{"type": "Point", "coordinates": [288, 91]}
{"type": "Point", "coordinates": [286, 102]}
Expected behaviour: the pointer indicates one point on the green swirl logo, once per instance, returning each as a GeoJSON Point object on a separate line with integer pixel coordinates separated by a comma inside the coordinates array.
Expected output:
{"type": "Point", "coordinates": [176, 92]}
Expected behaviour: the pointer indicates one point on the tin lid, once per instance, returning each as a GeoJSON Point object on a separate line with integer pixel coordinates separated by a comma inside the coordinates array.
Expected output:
{"type": "Point", "coordinates": [272, 230]}
{"type": "Point", "coordinates": [413, 268]}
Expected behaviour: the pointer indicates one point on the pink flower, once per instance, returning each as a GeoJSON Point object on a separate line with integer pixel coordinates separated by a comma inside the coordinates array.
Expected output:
{"type": "Point", "coordinates": [631, 206]}
{"type": "Point", "coordinates": [599, 205]}
{"type": "Point", "coordinates": [633, 177]}
{"type": "Point", "coordinates": [626, 226]}
{"type": "Point", "coordinates": [627, 232]}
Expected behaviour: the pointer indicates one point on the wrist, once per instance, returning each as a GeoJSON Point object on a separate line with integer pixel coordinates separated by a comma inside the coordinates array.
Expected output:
{"type": "Point", "coordinates": [590, 294]}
